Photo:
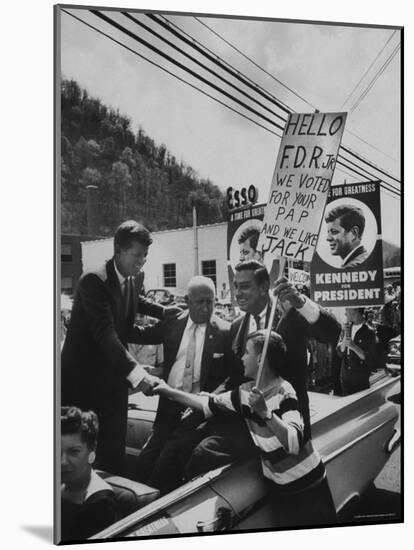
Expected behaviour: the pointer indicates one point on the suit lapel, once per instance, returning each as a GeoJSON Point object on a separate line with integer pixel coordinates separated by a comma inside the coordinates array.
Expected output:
{"type": "Point", "coordinates": [354, 254]}
{"type": "Point", "coordinates": [115, 291]}
{"type": "Point", "coordinates": [208, 352]}
{"type": "Point", "coordinates": [239, 342]}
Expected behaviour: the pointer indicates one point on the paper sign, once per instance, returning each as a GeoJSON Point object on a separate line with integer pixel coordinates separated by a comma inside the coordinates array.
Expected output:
{"type": "Point", "coordinates": [298, 276]}
{"type": "Point", "coordinates": [347, 269]}
{"type": "Point", "coordinates": [301, 181]}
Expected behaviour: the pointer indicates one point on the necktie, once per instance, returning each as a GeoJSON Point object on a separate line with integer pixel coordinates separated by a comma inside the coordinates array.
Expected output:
{"type": "Point", "coordinates": [189, 361]}
{"type": "Point", "coordinates": [257, 319]}
{"type": "Point", "coordinates": [127, 296]}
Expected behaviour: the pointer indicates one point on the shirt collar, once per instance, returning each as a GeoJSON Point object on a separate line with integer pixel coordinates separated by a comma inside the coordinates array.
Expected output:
{"type": "Point", "coordinates": [191, 324]}
{"type": "Point", "coordinates": [121, 278]}
{"type": "Point", "coordinates": [349, 255]}
{"type": "Point", "coordinates": [96, 484]}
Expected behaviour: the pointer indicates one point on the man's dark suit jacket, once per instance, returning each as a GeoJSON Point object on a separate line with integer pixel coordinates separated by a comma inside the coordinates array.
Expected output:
{"type": "Point", "coordinates": [355, 372]}
{"type": "Point", "coordinates": [295, 331]}
{"type": "Point", "coordinates": [216, 362]}
{"type": "Point", "coordinates": [358, 256]}
{"type": "Point", "coordinates": [95, 360]}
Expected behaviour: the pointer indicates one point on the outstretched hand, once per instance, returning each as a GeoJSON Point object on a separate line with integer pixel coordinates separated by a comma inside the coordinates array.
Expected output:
{"type": "Point", "coordinates": [148, 383]}
{"type": "Point", "coordinates": [288, 293]}
{"type": "Point", "coordinates": [161, 388]}
{"type": "Point", "coordinates": [170, 312]}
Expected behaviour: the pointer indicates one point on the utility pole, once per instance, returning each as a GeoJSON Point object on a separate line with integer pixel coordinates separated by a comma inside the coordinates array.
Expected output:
{"type": "Point", "coordinates": [195, 241]}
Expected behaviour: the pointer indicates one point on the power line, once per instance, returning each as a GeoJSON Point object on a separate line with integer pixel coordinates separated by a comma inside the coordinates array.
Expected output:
{"type": "Point", "coordinates": [370, 145]}
{"type": "Point", "coordinates": [372, 63]}
{"type": "Point", "coordinates": [369, 163]}
{"type": "Point", "coordinates": [291, 110]}
{"type": "Point", "coordinates": [382, 183]}
{"type": "Point", "coordinates": [216, 59]}
{"type": "Point", "coordinates": [376, 77]}
{"type": "Point", "coordinates": [254, 62]}
{"type": "Point", "coordinates": [197, 62]}
{"type": "Point", "coordinates": [202, 91]}
{"type": "Point", "coordinates": [190, 71]}
{"type": "Point", "coordinates": [369, 174]}
{"type": "Point", "coordinates": [200, 48]}
{"type": "Point", "coordinates": [171, 73]}
{"type": "Point", "coordinates": [181, 66]}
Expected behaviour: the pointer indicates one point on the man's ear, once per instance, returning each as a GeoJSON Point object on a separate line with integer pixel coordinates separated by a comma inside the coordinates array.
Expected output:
{"type": "Point", "coordinates": [355, 232]}
{"type": "Point", "coordinates": [264, 288]}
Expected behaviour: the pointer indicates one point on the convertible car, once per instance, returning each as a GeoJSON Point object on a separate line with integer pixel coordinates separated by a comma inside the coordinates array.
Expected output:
{"type": "Point", "coordinates": [355, 436]}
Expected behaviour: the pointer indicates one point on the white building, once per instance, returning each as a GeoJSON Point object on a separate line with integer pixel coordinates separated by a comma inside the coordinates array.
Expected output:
{"type": "Point", "coordinates": [172, 256]}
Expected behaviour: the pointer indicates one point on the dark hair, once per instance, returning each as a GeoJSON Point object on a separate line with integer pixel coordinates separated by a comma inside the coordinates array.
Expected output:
{"type": "Point", "coordinates": [260, 272]}
{"type": "Point", "coordinates": [252, 234]}
{"type": "Point", "coordinates": [349, 217]}
{"type": "Point", "coordinates": [73, 421]}
{"type": "Point", "coordinates": [276, 349]}
{"type": "Point", "coordinates": [129, 232]}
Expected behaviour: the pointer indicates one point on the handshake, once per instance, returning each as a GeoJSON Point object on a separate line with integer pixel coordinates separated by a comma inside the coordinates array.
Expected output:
{"type": "Point", "coordinates": [151, 381]}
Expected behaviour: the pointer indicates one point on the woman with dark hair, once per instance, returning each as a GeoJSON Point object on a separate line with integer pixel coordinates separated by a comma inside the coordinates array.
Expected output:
{"type": "Point", "coordinates": [88, 503]}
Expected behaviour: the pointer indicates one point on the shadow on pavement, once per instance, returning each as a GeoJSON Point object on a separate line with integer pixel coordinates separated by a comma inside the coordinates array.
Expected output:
{"type": "Point", "coordinates": [42, 532]}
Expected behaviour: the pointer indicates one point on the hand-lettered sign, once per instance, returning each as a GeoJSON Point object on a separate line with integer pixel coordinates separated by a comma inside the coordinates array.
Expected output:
{"type": "Point", "coordinates": [302, 178]}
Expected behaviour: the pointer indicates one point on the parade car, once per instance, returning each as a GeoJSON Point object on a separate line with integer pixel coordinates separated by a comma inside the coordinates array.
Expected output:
{"type": "Point", "coordinates": [162, 296]}
{"type": "Point", "coordinates": [393, 364]}
{"type": "Point", "coordinates": [355, 435]}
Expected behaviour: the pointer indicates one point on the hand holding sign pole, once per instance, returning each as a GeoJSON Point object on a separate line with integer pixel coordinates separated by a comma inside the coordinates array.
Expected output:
{"type": "Point", "coordinates": [301, 180]}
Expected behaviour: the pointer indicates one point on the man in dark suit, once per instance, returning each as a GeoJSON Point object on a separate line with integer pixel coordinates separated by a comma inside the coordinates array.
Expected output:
{"type": "Point", "coordinates": [197, 353]}
{"type": "Point", "coordinates": [97, 368]}
{"type": "Point", "coordinates": [357, 352]}
{"type": "Point", "coordinates": [298, 318]}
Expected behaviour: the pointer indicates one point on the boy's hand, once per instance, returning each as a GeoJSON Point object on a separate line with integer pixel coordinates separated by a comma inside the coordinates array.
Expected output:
{"type": "Point", "coordinates": [257, 402]}
{"type": "Point", "coordinates": [161, 388]}
{"type": "Point", "coordinates": [288, 293]}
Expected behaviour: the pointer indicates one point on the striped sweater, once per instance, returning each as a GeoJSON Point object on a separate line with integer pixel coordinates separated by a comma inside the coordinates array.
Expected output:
{"type": "Point", "coordinates": [292, 469]}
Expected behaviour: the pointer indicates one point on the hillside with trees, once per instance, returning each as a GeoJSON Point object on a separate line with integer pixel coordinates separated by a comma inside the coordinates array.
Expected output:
{"type": "Point", "coordinates": [136, 178]}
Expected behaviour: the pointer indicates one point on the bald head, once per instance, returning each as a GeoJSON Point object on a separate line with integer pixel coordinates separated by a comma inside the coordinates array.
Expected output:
{"type": "Point", "coordinates": [200, 299]}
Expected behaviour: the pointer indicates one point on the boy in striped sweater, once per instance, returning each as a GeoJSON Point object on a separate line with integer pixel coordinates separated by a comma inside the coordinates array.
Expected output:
{"type": "Point", "coordinates": [300, 493]}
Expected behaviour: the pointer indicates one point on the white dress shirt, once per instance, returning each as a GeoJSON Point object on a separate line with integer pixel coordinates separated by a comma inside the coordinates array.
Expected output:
{"type": "Point", "coordinates": [175, 378]}
{"type": "Point", "coordinates": [262, 321]}
{"type": "Point", "coordinates": [354, 330]}
{"type": "Point", "coordinates": [121, 279]}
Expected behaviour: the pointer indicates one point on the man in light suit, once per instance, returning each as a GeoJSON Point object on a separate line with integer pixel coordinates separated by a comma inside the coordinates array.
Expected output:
{"type": "Point", "coordinates": [197, 353]}
{"type": "Point", "coordinates": [97, 368]}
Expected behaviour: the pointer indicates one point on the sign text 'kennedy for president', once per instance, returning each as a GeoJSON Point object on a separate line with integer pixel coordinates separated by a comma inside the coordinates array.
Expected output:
{"type": "Point", "coordinates": [301, 181]}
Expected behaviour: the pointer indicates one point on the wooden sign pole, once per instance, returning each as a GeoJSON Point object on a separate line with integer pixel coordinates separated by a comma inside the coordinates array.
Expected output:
{"type": "Point", "coordinates": [269, 326]}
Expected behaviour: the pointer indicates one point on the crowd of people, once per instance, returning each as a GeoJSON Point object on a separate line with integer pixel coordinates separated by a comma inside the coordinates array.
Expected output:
{"type": "Point", "coordinates": [213, 406]}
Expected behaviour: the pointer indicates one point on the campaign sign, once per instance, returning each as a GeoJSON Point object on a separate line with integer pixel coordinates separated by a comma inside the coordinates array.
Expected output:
{"type": "Point", "coordinates": [298, 276]}
{"type": "Point", "coordinates": [347, 268]}
{"type": "Point", "coordinates": [243, 231]}
{"type": "Point", "coordinates": [301, 181]}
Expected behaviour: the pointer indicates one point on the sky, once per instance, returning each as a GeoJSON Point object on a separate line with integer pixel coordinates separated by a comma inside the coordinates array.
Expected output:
{"type": "Point", "coordinates": [320, 63]}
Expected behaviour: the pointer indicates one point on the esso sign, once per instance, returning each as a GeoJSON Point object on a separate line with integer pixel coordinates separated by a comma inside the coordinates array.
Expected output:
{"type": "Point", "coordinates": [236, 198]}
